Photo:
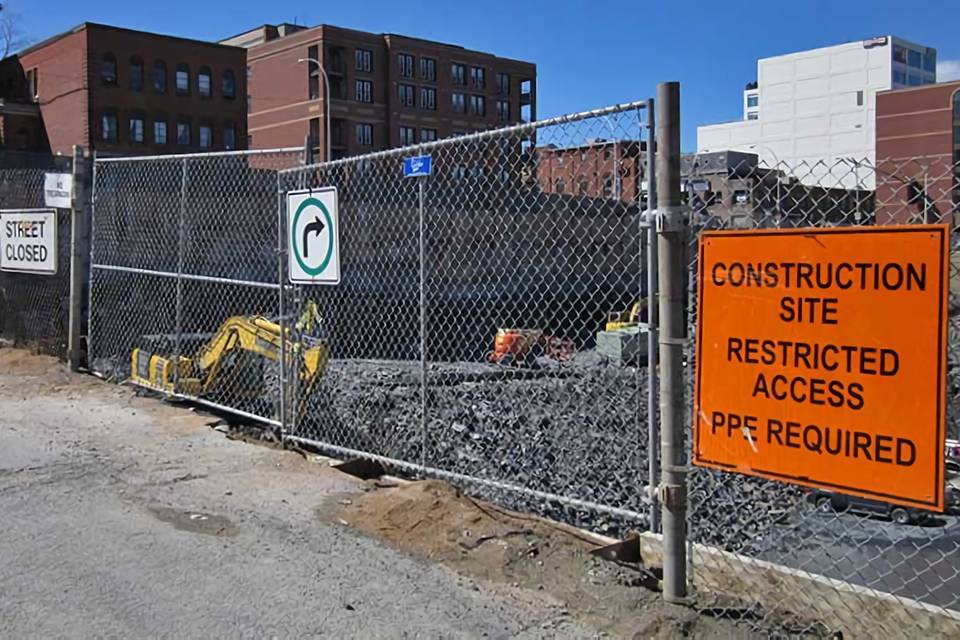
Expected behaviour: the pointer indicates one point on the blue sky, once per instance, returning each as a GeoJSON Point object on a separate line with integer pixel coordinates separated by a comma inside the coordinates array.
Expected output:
{"type": "Point", "coordinates": [589, 54]}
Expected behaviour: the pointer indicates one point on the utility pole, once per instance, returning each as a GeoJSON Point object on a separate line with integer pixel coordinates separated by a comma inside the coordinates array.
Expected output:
{"type": "Point", "coordinates": [79, 254]}
{"type": "Point", "coordinates": [672, 240]}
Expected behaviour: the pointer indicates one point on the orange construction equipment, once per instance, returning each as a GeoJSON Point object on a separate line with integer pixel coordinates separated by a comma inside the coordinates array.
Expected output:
{"type": "Point", "coordinates": [523, 346]}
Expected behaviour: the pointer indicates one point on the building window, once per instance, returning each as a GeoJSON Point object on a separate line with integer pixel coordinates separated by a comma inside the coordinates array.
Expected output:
{"type": "Point", "coordinates": [249, 104]}
{"type": "Point", "coordinates": [228, 85]}
{"type": "Point", "coordinates": [184, 132]}
{"type": "Point", "coordinates": [753, 101]}
{"type": "Point", "coordinates": [203, 82]}
{"type": "Point", "coordinates": [108, 127]}
{"type": "Point", "coordinates": [313, 128]}
{"type": "Point", "coordinates": [406, 95]}
{"type": "Point", "coordinates": [503, 111]}
{"type": "Point", "coordinates": [899, 76]}
{"type": "Point", "coordinates": [159, 76]}
{"type": "Point", "coordinates": [428, 98]}
{"type": "Point", "coordinates": [899, 54]}
{"type": "Point", "coordinates": [108, 69]}
{"type": "Point", "coordinates": [363, 59]}
{"type": "Point", "coordinates": [313, 73]}
{"type": "Point", "coordinates": [33, 84]}
{"type": "Point", "coordinates": [503, 84]}
{"type": "Point", "coordinates": [559, 186]}
{"type": "Point", "coordinates": [160, 130]}
{"type": "Point", "coordinates": [428, 135]}
{"type": "Point", "coordinates": [930, 61]}
{"type": "Point", "coordinates": [364, 91]}
{"type": "Point", "coordinates": [406, 65]}
{"type": "Point", "coordinates": [607, 185]}
{"type": "Point", "coordinates": [364, 134]}
{"type": "Point", "coordinates": [136, 74]}
{"type": "Point", "coordinates": [459, 104]}
{"type": "Point", "coordinates": [428, 69]}
{"type": "Point", "coordinates": [229, 137]}
{"type": "Point", "coordinates": [183, 79]}
{"type": "Point", "coordinates": [408, 136]}
{"type": "Point", "coordinates": [206, 136]}
{"type": "Point", "coordinates": [478, 105]}
{"type": "Point", "coordinates": [860, 98]}
{"type": "Point", "coordinates": [458, 73]}
{"type": "Point", "coordinates": [914, 80]}
{"type": "Point", "coordinates": [477, 77]}
{"type": "Point", "coordinates": [136, 128]}
{"type": "Point", "coordinates": [583, 186]}
{"type": "Point", "coordinates": [753, 115]}
{"type": "Point", "coordinates": [914, 59]}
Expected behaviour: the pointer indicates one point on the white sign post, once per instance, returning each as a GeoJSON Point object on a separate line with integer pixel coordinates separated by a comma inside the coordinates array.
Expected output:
{"type": "Point", "coordinates": [57, 190]}
{"type": "Point", "coordinates": [313, 236]}
{"type": "Point", "coordinates": [28, 241]}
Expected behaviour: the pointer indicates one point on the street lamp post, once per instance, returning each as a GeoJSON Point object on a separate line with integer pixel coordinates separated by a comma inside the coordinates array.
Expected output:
{"type": "Point", "coordinates": [326, 103]}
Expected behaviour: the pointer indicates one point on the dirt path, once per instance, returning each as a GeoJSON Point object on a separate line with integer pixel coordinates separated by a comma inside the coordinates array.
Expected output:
{"type": "Point", "coordinates": [125, 516]}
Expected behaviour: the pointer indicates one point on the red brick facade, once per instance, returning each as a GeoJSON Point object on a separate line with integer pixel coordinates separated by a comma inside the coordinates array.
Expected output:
{"type": "Point", "coordinates": [283, 111]}
{"type": "Point", "coordinates": [588, 170]}
{"type": "Point", "coordinates": [916, 144]}
{"type": "Point", "coordinates": [75, 94]}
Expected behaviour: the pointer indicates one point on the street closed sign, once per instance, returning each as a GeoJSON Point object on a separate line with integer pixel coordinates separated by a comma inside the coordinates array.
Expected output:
{"type": "Point", "coordinates": [313, 236]}
{"type": "Point", "coordinates": [821, 358]}
{"type": "Point", "coordinates": [28, 241]}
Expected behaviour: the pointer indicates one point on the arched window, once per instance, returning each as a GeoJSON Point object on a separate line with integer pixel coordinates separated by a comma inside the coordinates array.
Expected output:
{"type": "Point", "coordinates": [159, 76]}
{"type": "Point", "coordinates": [136, 74]}
{"type": "Point", "coordinates": [108, 69]}
{"type": "Point", "coordinates": [183, 79]}
{"type": "Point", "coordinates": [583, 186]}
{"type": "Point", "coordinates": [228, 85]}
{"type": "Point", "coordinates": [560, 186]}
{"type": "Point", "coordinates": [203, 82]}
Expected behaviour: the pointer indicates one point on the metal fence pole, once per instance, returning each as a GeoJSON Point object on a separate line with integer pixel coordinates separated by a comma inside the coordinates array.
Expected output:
{"type": "Point", "coordinates": [281, 256]}
{"type": "Point", "coordinates": [423, 331]}
{"type": "Point", "coordinates": [653, 425]}
{"type": "Point", "coordinates": [79, 252]}
{"type": "Point", "coordinates": [178, 320]}
{"type": "Point", "coordinates": [671, 231]}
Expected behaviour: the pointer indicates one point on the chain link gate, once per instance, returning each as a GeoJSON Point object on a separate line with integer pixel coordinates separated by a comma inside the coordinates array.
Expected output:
{"type": "Point", "coordinates": [536, 229]}
{"type": "Point", "coordinates": [184, 269]}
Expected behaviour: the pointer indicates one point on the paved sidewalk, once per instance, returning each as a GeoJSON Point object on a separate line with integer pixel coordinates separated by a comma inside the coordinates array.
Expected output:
{"type": "Point", "coordinates": [125, 517]}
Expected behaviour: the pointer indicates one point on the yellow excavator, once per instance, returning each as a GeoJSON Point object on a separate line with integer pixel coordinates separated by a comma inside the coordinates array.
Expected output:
{"type": "Point", "coordinates": [228, 362]}
{"type": "Point", "coordinates": [630, 318]}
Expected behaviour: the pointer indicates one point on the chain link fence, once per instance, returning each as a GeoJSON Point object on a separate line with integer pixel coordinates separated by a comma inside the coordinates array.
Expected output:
{"type": "Point", "coordinates": [503, 266]}
{"type": "Point", "coordinates": [184, 289]}
{"type": "Point", "coordinates": [34, 309]}
{"type": "Point", "coordinates": [817, 555]}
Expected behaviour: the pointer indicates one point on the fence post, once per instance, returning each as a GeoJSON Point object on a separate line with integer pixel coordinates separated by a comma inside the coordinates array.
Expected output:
{"type": "Point", "coordinates": [79, 253]}
{"type": "Point", "coordinates": [653, 423]}
{"type": "Point", "coordinates": [671, 232]}
{"type": "Point", "coordinates": [281, 309]}
{"type": "Point", "coordinates": [181, 247]}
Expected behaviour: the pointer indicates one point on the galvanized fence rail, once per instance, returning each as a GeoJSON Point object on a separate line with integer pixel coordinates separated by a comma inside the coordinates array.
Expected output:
{"type": "Point", "coordinates": [34, 308]}
{"type": "Point", "coordinates": [822, 565]}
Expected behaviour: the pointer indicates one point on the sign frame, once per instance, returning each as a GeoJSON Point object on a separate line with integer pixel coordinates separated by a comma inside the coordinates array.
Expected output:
{"type": "Point", "coordinates": [325, 201]}
{"type": "Point", "coordinates": [50, 215]}
{"type": "Point", "coordinates": [58, 190]}
{"type": "Point", "coordinates": [861, 487]}
{"type": "Point", "coordinates": [418, 166]}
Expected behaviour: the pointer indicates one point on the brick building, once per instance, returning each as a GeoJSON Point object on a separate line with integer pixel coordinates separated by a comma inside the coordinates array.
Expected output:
{"type": "Point", "coordinates": [386, 90]}
{"type": "Point", "coordinates": [599, 169]}
{"type": "Point", "coordinates": [918, 147]}
{"type": "Point", "coordinates": [124, 92]}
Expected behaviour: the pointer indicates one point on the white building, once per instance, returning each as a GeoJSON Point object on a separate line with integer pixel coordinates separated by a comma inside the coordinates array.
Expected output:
{"type": "Point", "coordinates": [813, 112]}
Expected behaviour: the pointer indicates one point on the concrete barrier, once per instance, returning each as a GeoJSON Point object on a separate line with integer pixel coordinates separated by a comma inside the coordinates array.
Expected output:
{"type": "Point", "coordinates": [856, 611]}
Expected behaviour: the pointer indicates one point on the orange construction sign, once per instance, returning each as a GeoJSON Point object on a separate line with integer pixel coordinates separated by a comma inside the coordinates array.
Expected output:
{"type": "Point", "coordinates": [821, 358]}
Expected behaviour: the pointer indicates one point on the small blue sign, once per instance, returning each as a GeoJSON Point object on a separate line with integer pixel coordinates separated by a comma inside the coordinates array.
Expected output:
{"type": "Point", "coordinates": [417, 166]}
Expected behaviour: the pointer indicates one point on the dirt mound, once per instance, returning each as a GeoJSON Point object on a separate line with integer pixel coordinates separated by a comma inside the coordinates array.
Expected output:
{"type": "Point", "coordinates": [431, 518]}
{"type": "Point", "coordinates": [21, 362]}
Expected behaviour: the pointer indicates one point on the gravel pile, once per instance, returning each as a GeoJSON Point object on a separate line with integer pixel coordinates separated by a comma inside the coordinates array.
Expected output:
{"type": "Point", "coordinates": [577, 429]}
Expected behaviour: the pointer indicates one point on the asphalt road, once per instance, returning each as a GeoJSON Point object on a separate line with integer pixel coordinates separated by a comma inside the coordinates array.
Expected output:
{"type": "Point", "coordinates": [122, 517]}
